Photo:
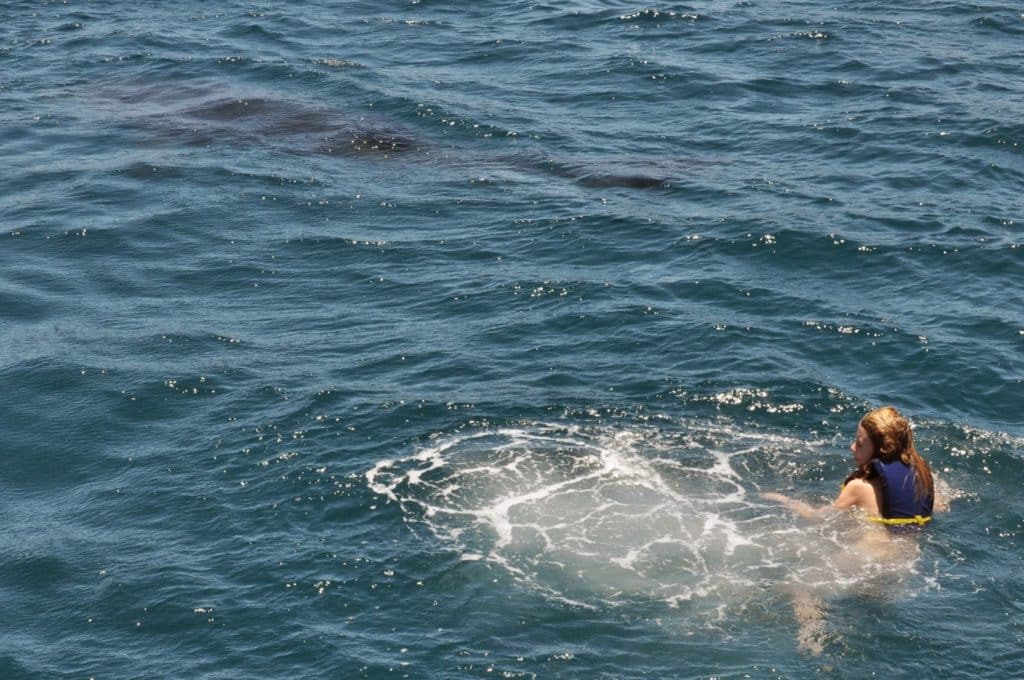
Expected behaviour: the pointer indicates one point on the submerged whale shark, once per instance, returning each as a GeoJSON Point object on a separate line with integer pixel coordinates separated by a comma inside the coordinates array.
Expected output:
{"type": "Point", "coordinates": [200, 117]}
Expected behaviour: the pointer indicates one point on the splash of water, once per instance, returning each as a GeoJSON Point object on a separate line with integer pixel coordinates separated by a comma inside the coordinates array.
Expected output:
{"type": "Point", "coordinates": [606, 515]}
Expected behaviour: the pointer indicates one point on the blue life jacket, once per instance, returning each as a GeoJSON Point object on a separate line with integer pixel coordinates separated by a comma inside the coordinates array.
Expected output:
{"type": "Point", "coordinates": [899, 502]}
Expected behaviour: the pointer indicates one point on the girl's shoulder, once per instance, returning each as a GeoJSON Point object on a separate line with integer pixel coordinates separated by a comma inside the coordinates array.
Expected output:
{"type": "Point", "coordinates": [860, 492]}
{"type": "Point", "coordinates": [860, 482]}
{"type": "Point", "coordinates": [863, 489]}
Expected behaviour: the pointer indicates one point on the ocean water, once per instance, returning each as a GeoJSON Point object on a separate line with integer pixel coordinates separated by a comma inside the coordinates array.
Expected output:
{"type": "Point", "coordinates": [458, 340]}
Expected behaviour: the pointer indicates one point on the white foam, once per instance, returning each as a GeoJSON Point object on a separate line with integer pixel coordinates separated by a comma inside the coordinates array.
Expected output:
{"type": "Point", "coordinates": [603, 515]}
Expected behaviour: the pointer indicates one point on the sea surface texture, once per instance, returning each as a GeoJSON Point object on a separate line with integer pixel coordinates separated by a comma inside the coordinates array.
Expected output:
{"type": "Point", "coordinates": [461, 339]}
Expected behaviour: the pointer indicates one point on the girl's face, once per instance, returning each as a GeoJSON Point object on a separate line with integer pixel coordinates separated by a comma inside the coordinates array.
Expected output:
{"type": "Point", "coordinates": [862, 447]}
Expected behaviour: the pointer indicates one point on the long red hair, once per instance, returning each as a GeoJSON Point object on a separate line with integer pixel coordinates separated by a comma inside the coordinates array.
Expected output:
{"type": "Point", "coordinates": [890, 433]}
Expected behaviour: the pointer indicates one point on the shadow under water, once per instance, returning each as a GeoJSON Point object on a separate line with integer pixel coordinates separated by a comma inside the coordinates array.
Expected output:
{"type": "Point", "coordinates": [202, 116]}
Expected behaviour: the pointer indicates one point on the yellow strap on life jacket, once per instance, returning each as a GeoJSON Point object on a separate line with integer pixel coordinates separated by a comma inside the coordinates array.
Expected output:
{"type": "Point", "coordinates": [916, 519]}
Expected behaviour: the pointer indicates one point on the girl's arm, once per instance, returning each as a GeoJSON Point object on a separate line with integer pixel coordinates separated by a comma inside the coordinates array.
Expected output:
{"type": "Point", "coordinates": [854, 494]}
{"type": "Point", "coordinates": [805, 510]}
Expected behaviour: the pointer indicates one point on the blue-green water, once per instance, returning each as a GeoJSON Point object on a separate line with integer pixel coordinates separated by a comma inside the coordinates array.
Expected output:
{"type": "Point", "coordinates": [453, 340]}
